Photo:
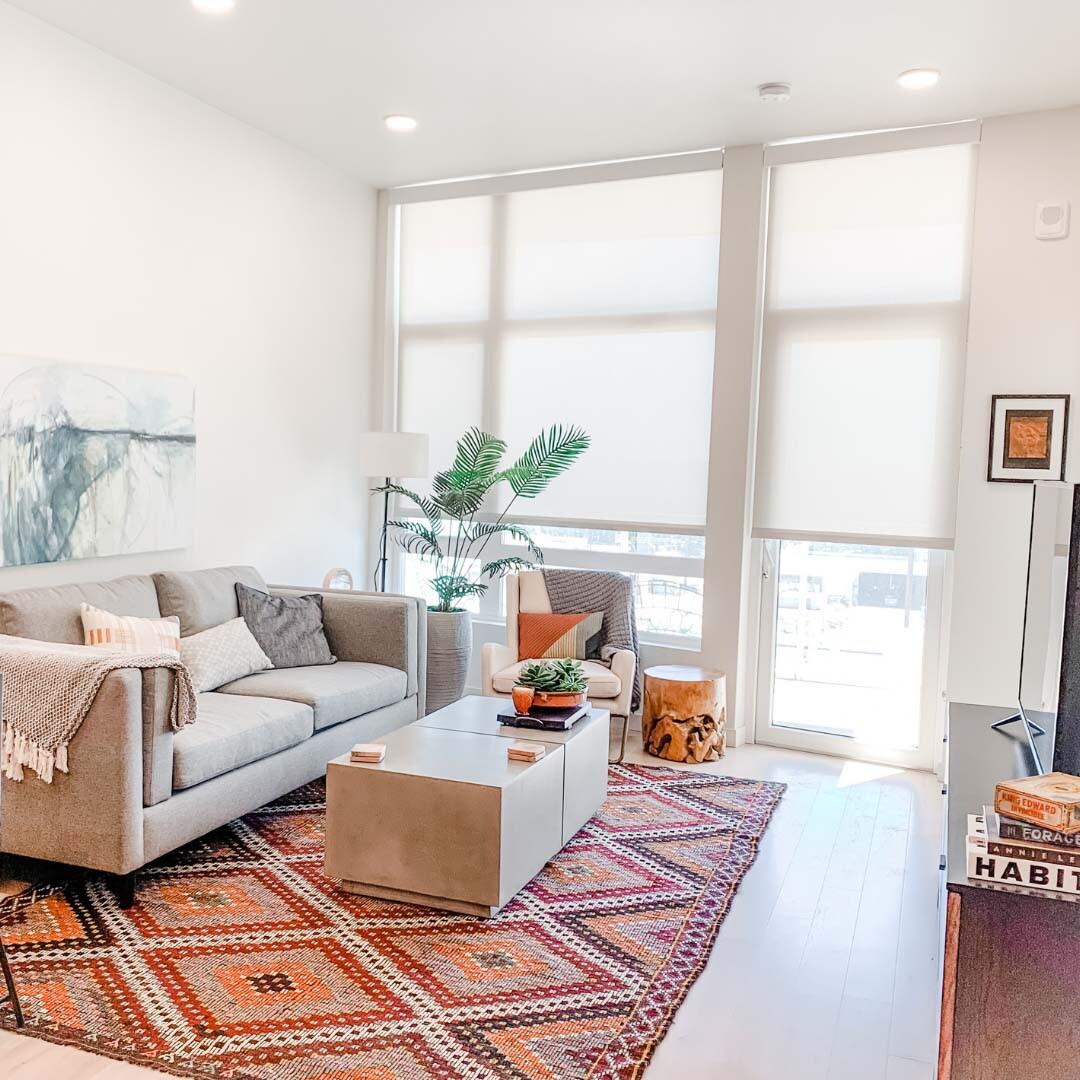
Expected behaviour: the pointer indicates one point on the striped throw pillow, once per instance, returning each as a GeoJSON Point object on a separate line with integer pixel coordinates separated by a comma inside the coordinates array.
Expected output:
{"type": "Point", "coordinates": [128, 633]}
{"type": "Point", "coordinates": [572, 635]}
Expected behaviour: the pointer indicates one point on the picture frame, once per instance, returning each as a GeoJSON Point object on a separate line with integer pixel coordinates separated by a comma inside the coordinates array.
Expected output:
{"type": "Point", "coordinates": [1029, 438]}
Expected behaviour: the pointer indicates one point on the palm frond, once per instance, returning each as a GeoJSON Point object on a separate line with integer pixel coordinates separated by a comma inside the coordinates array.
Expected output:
{"type": "Point", "coordinates": [449, 588]}
{"type": "Point", "coordinates": [551, 453]}
{"type": "Point", "coordinates": [522, 536]}
{"type": "Point", "coordinates": [417, 538]}
{"type": "Point", "coordinates": [478, 453]}
{"type": "Point", "coordinates": [498, 568]}
{"type": "Point", "coordinates": [429, 506]}
{"type": "Point", "coordinates": [459, 491]}
{"type": "Point", "coordinates": [454, 497]}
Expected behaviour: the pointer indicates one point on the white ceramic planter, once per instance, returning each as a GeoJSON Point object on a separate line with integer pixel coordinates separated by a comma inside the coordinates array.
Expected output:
{"type": "Point", "coordinates": [449, 646]}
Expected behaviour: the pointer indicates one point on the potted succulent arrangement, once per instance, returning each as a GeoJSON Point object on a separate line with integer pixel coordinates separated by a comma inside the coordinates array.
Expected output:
{"type": "Point", "coordinates": [550, 684]}
{"type": "Point", "coordinates": [458, 523]}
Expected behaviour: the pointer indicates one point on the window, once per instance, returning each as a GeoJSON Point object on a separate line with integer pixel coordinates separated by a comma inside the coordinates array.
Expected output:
{"type": "Point", "coordinates": [865, 309]}
{"type": "Point", "coordinates": [849, 641]}
{"type": "Point", "coordinates": [590, 304]}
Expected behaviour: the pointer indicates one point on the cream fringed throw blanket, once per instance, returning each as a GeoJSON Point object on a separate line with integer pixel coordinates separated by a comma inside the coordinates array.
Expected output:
{"type": "Point", "coordinates": [49, 689]}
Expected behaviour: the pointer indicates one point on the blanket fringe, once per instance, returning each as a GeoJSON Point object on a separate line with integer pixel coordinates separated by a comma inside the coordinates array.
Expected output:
{"type": "Point", "coordinates": [18, 751]}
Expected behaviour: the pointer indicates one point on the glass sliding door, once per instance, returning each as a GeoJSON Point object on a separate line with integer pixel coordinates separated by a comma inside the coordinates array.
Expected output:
{"type": "Point", "coordinates": [849, 648]}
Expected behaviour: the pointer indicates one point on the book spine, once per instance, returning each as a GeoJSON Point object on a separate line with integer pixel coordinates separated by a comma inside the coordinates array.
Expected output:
{"type": "Point", "coordinates": [1049, 815]}
{"type": "Point", "coordinates": [982, 866]}
{"type": "Point", "coordinates": [1034, 854]}
{"type": "Point", "coordinates": [1023, 833]}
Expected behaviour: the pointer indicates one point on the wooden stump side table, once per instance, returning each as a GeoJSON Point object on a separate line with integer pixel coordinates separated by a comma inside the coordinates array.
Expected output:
{"type": "Point", "coordinates": [684, 714]}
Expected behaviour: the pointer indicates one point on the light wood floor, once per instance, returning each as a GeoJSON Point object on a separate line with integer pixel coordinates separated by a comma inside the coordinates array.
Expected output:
{"type": "Point", "coordinates": [826, 967]}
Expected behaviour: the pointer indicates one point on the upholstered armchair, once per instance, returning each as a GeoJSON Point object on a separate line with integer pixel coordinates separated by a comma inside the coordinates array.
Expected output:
{"type": "Point", "coordinates": [610, 688]}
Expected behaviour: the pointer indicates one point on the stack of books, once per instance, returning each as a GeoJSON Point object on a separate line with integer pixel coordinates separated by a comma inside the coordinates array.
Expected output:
{"type": "Point", "coordinates": [1030, 837]}
{"type": "Point", "coordinates": [525, 751]}
{"type": "Point", "coordinates": [369, 753]}
{"type": "Point", "coordinates": [545, 718]}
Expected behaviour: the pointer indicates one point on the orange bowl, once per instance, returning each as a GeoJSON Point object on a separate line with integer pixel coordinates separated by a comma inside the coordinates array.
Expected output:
{"type": "Point", "coordinates": [544, 699]}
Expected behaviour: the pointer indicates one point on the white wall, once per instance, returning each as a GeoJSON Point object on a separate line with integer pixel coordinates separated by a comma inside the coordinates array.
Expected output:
{"type": "Point", "coordinates": [1024, 337]}
{"type": "Point", "coordinates": [141, 228]}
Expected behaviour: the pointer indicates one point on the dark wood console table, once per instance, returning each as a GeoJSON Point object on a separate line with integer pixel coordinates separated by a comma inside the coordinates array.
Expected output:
{"type": "Point", "coordinates": [1010, 1000]}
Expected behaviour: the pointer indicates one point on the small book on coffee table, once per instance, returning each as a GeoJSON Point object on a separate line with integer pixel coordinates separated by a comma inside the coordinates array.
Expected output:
{"type": "Point", "coordinates": [370, 753]}
{"type": "Point", "coordinates": [525, 751]}
{"type": "Point", "coordinates": [545, 719]}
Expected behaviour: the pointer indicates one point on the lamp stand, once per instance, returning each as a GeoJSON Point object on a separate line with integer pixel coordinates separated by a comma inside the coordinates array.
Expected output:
{"type": "Point", "coordinates": [381, 569]}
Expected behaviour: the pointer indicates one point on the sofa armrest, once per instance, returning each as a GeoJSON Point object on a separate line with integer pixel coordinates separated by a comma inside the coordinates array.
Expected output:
{"type": "Point", "coordinates": [375, 628]}
{"type": "Point", "coordinates": [624, 665]}
{"type": "Point", "coordinates": [157, 734]}
{"type": "Point", "coordinates": [91, 816]}
{"type": "Point", "coordinates": [494, 656]}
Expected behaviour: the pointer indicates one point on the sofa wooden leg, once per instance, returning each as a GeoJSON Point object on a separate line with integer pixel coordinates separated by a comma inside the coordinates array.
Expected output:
{"type": "Point", "coordinates": [11, 996]}
{"type": "Point", "coordinates": [123, 885]}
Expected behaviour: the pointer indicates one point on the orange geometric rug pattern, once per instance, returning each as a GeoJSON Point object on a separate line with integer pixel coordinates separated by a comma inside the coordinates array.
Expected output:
{"type": "Point", "coordinates": [243, 960]}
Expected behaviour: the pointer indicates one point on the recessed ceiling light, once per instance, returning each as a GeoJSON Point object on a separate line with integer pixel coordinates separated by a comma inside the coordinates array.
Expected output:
{"type": "Point", "coordinates": [400, 123]}
{"type": "Point", "coordinates": [774, 91]}
{"type": "Point", "coordinates": [213, 7]}
{"type": "Point", "coordinates": [918, 78]}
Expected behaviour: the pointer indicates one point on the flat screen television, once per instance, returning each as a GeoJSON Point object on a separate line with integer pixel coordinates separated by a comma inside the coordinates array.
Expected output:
{"type": "Point", "coordinates": [1049, 685]}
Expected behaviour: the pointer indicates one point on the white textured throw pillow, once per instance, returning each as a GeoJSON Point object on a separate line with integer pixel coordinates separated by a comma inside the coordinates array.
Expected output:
{"type": "Point", "coordinates": [221, 654]}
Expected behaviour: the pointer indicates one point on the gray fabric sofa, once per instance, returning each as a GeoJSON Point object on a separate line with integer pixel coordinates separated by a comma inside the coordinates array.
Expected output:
{"type": "Point", "coordinates": [136, 790]}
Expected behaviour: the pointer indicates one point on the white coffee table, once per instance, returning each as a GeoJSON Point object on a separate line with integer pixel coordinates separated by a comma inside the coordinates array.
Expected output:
{"type": "Point", "coordinates": [448, 821]}
{"type": "Point", "coordinates": [585, 750]}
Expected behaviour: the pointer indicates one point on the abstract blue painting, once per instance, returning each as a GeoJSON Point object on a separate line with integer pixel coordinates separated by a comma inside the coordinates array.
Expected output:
{"type": "Point", "coordinates": [93, 461]}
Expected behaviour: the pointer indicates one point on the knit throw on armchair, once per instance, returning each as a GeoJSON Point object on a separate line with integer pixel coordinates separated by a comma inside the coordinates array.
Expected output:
{"type": "Point", "coordinates": [606, 591]}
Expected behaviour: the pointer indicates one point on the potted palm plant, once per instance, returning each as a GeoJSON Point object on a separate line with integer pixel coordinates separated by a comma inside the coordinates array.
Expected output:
{"type": "Point", "coordinates": [458, 523]}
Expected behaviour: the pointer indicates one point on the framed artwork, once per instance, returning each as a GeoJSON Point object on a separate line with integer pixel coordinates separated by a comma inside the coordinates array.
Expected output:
{"type": "Point", "coordinates": [94, 461]}
{"type": "Point", "coordinates": [1028, 437]}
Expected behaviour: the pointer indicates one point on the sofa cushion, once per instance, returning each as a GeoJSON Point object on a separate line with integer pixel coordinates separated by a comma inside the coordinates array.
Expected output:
{"type": "Point", "coordinates": [289, 629]}
{"type": "Point", "coordinates": [232, 731]}
{"type": "Point", "coordinates": [335, 693]}
{"type": "Point", "coordinates": [603, 682]}
{"type": "Point", "coordinates": [52, 614]}
{"type": "Point", "coordinates": [203, 598]}
{"type": "Point", "coordinates": [222, 654]}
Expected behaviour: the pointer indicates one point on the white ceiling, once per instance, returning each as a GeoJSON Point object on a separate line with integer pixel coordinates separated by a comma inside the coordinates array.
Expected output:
{"type": "Point", "coordinates": [499, 85]}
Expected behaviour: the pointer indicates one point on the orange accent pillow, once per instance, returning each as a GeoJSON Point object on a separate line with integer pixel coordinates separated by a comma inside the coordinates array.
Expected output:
{"type": "Point", "coordinates": [568, 635]}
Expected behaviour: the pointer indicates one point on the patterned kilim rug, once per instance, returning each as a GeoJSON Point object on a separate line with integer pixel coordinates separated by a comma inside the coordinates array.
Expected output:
{"type": "Point", "coordinates": [241, 959]}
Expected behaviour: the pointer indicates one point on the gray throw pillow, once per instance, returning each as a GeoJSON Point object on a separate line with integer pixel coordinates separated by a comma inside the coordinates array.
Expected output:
{"type": "Point", "coordinates": [289, 629]}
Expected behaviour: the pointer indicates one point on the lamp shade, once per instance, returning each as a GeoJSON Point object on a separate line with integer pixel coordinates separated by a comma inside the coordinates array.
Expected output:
{"type": "Point", "coordinates": [394, 453]}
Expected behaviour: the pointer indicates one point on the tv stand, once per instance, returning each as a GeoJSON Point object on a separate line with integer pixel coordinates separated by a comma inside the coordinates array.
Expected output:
{"type": "Point", "coordinates": [1011, 956]}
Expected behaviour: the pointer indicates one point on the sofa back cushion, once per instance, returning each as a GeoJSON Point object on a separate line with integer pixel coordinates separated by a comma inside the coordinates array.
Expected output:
{"type": "Point", "coordinates": [52, 613]}
{"type": "Point", "coordinates": [201, 599]}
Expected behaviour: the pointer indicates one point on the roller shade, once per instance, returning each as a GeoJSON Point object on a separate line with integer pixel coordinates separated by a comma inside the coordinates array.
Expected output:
{"type": "Point", "coordinates": [590, 304]}
{"type": "Point", "coordinates": [865, 317]}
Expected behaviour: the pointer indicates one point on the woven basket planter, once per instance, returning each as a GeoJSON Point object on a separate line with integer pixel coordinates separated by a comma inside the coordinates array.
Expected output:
{"type": "Point", "coordinates": [449, 649]}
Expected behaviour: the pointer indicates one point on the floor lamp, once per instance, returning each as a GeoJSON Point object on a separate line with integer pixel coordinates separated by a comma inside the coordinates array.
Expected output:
{"type": "Point", "coordinates": [393, 455]}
